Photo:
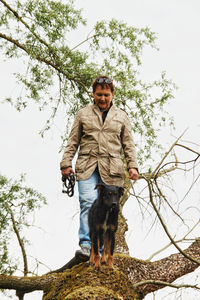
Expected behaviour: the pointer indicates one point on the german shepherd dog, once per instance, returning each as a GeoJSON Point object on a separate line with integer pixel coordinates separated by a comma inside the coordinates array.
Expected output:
{"type": "Point", "coordinates": [103, 223]}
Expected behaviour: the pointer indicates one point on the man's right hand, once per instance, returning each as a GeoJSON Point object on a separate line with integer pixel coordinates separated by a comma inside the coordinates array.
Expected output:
{"type": "Point", "coordinates": [65, 172]}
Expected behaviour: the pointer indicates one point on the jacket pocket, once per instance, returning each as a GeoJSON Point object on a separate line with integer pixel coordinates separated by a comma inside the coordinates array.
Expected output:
{"type": "Point", "coordinates": [82, 161]}
{"type": "Point", "coordinates": [116, 165]}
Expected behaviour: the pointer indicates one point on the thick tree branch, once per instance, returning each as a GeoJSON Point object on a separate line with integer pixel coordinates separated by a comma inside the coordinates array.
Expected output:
{"type": "Point", "coordinates": [15, 42]}
{"type": "Point", "coordinates": [142, 277]}
{"type": "Point", "coordinates": [26, 284]}
{"type": "Point", "coordinates": [19, 18]}
{"type": "Point", "coordinates": [167, 269]}
{"type": "Point", "coordinates": [56, 66]}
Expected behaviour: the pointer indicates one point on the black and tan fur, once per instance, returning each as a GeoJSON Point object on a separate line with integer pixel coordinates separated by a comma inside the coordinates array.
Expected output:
{"type": "Point", "coordinates": [103, 223]}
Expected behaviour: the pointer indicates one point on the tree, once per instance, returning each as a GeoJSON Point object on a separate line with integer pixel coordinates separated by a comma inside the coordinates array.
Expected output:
{"type": "Point", "coordinates": [37, 32]}
{"type": "Point", "coordinates": [17, 204]}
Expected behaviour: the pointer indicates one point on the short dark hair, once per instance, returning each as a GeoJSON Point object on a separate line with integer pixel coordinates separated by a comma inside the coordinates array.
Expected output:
{"type": "Point", "coordinates": [104, 82]}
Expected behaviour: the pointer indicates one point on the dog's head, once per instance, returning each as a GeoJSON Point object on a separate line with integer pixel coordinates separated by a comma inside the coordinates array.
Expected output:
{"type": "Point", "coordinates": [109, 194]}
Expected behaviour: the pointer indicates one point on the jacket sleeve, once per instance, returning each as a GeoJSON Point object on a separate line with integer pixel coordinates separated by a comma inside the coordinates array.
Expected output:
{"type": "Point", "coordinates": [73, 143]}
{"type": "Point", "coordinates": [128, 145]}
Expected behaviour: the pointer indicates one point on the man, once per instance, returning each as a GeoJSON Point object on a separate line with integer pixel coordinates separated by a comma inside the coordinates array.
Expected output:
{"type": "Point", "coordinates": [102, 132]}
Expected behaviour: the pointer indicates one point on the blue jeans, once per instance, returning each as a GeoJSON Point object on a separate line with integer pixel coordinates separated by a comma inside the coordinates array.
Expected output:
{"type": "Point", "coordinates": [87, 195]}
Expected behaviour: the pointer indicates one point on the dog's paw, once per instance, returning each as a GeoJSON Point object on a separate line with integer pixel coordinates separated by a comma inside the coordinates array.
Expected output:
{"type": "Point", "coordinates": [91, 262]}
{"type": "Point", "coordinates": [97, 267]}
{"type": "Point", "coordinates": [103, 261]}
{"type": "Point", "coordinates": [111, 267]}
{"type": "Point", "coordinates": [110, 263]}
{"type": "Point", "coordinates": [97, 263]}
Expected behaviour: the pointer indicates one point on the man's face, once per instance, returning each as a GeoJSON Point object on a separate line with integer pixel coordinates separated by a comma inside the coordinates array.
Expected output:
{"type": "Point", "coordinates": [103, 97]}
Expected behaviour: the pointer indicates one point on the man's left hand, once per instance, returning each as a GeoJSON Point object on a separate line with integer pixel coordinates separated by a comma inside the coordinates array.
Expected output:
{"type": "Point", "coordinates": [133, 174]}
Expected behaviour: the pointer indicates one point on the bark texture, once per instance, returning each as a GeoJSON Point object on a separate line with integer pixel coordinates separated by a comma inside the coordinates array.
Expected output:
{"type": "Point", "coordinates": [82, 281]}
{"type": "Point", "coordinates": [126, 281]}
{"type": "Point", "coordinates": [120, 238]}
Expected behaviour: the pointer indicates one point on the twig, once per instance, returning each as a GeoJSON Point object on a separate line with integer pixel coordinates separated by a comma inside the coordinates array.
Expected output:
{"type": "Point", "coordinates": [166, 154]}
{"type": "Point", "coordinates": [15, 13]}
{"type": "Point", "coordinates": [165, 227]}
{"type": "Point", "coordinates": [21, 244]}
{"type": "Point", "coordinates": [183, 146]}
{"type": "Point", "coordinates": [163, 196]}
{"type": "Point", "coordinates": [81, 43]}
{"type": "Point", "coordinates": [163, 283]}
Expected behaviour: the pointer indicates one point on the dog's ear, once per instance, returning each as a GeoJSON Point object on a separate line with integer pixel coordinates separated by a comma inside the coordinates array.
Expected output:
{"type": "Point", "coordinates": [99, 186]}
{"type": "Point", "coordinates": [121, 191]}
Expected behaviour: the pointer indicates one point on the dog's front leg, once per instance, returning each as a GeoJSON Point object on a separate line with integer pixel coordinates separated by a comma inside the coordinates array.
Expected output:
{"type": "Point", "coordinates": [97, 262]}
{"type": "Point", "coordinates": [92, 253]}
{"type": "Point", "coordinates": [111, 246]}
{"type": "Point", "coordinates": [105, 246]}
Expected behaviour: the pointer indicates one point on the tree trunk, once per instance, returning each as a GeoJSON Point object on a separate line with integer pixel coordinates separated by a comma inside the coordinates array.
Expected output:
{"type": "Point", "coordinates": [120, 240]}
{"type": "Point", "coordinates": [130, 279]}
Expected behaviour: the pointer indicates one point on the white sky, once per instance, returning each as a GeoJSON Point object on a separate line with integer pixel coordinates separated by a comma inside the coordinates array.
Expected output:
{"type": "Point", "coordinates": [177, 25]}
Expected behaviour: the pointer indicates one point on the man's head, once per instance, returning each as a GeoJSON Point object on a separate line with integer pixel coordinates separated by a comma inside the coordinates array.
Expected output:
{"type": "Point", "coordinates": [103, 91]}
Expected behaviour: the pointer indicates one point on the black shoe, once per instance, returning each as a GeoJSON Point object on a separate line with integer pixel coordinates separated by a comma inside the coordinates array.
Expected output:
{"type": "Point", "coordinates": [83, 254]}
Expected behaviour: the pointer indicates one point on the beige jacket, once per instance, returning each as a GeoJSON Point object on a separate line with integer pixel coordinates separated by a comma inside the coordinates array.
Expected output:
{"type": "Point", "coordinates": [100, 144]}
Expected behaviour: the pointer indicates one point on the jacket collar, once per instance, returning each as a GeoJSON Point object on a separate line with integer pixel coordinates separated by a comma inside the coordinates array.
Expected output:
{"type": "Point", "coordinates": [111, 112]}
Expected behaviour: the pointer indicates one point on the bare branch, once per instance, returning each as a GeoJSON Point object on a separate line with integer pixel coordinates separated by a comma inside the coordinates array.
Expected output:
{"type": "Point", "coordinates": [164, 284]}
{"type": "Point", "coordinates": [165, 199]}
{"type": "Point", "coordinates": [165, 227]}
{"type": "Point", "coordinates": [160, 172]}
{"type": "Point", "coordinates": [170, 244]}
{"type": "Point", "coordinates": [81, 43]}
{"type": "Point", "coordinates": [187, 148]}
{"type": "Point", "coordinates": [21, 244]}
{"type": "Point", "coordinates": [166, 154]}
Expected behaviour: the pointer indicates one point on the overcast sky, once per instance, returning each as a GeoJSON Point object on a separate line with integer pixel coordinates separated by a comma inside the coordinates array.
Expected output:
{"type": "Point", "coordinates": [177, 24]}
